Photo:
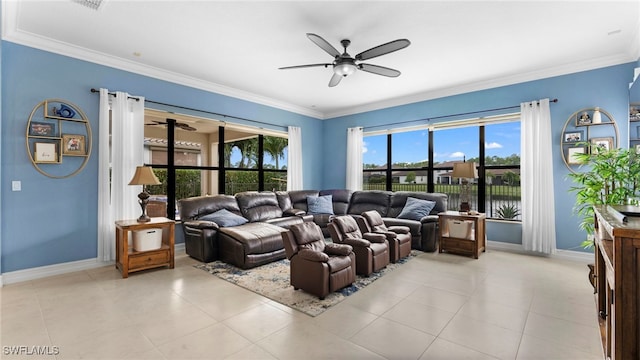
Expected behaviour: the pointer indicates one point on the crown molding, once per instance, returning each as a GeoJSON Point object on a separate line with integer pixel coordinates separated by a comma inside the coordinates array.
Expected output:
{"type": "Point", "coordinates": [12, 34]}
{"type": "Point", "coordinates": [564, 69]}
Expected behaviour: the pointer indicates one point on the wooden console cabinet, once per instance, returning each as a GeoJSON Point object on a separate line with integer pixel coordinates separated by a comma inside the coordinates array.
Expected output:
{"type": "Point", "coordinates": [129, 260]}
{"type": "Point", "coordinates": [617, 271]}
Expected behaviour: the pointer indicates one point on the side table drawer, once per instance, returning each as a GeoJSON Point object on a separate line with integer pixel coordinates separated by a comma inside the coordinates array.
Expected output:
{"type": "Point", "coordinates": [459, 246]}
{"type": "Point", "coordinates": [139, 261]}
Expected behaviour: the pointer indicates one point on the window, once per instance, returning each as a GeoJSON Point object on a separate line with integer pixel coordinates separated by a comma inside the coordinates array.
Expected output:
{"type": "Point", "coordinates": [493, 144]}
{"type": "Point", "coordinates": [252, 158]}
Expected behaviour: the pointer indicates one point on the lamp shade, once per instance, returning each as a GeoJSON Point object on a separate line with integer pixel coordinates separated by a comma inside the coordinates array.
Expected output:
{"type": "Point", "coordinates": [465, 170]}
{"type": "Point", "coordinates": [144, 176]}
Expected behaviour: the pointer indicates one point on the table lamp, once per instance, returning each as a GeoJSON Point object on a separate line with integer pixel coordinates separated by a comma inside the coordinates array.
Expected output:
{"type": "Point", "coordinates": [144, 176]}
{"type": "Point", "coordinates": [464, 171]}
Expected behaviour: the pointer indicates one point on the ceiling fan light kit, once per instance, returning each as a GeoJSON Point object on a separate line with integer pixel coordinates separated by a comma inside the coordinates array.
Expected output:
{"type": "Point", "coordinates": [345, 65]}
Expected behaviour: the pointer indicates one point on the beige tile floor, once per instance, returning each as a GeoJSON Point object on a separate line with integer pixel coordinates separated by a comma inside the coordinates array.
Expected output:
{"type": "Point", "coordinates": [437, 306]}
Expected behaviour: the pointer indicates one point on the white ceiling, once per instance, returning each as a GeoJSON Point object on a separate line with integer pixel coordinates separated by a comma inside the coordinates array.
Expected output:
{"type": "Point", "coordinates": [236, 47]}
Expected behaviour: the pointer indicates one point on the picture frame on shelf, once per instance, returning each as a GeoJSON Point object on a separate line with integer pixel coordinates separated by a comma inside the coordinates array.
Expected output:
{"type": "Point", "coordinates": [572, 159]}
{"type": "Point", "coordinates": [583, 118]}
{"type": "Point", "coordinates": [634, 112]}
{"type": "Point", "coordinates": [42, 129]}
{"type": "Point", "coordinates": [45, 152]}
{"type": "Point", "coordinates": [73, 144]}
{"type": "Point", "coordinates": [601, 144]}
{"type": "Point", "coordinates": [573, 136]}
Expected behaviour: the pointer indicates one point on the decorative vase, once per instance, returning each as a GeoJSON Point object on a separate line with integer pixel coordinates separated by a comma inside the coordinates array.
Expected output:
{"type": "Point", "coordinates": [597, 117]}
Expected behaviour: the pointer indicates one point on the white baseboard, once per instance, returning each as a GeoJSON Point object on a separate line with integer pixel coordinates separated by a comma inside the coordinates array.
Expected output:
{"type": "Point", "coordinates": [58, 269]}
{"type": "Point", "coordinates": [560, 254]}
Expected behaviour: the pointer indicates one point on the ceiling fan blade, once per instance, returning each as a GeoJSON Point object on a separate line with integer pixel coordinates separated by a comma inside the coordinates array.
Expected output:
{"type": "Point", "coordinates": [303, 66]}
{"type": "Point", "coordinates": [379, 70]}
{"type": "Point", "coordinates": [383, 49]}
{"type": "Point", "coordinates": [186, 127]}
{"type": "Point", "coordinates": [324, 44]}
{"type": "Point", "coordinates": [335, 80]}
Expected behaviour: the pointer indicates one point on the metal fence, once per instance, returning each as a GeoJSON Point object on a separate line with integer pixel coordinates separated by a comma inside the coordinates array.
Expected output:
{"type": "Point", "coordinates": [502, 201]}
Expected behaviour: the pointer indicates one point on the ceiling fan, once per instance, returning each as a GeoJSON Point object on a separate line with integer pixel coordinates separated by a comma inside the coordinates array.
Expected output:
{"type": "Point", "coordinates": [345, 65]}
{"type": "Point", "coordinates": [183, 126]}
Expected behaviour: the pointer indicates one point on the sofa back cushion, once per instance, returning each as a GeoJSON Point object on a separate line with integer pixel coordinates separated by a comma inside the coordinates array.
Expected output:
{"type": "Point", "coordinates": [299, 198]}
{"type": "Point", "coordinates": [340, 199]}
{"type": "Point", "coordinates": [362, 201]}
{"type": "Point", "coordinates": [194, 208]}
{"type": "Point", "coordinates": [259, 206]}
{"type": "Point", "coordinates": [399, 199]}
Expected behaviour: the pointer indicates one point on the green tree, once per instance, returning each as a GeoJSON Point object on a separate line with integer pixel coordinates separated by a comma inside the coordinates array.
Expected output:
{"type": "Point", "coordinates": [411, 177]}
{"type": "Point", "coordinates": [511, 178]}
{"type": "Point", "coordinates": [275, 146]}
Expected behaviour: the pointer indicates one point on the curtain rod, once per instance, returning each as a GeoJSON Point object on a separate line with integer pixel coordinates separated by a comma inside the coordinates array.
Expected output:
{"type": "Point", "coordinates": [454, 115]}
{"type": "Point", "coordinates": [198, 110]}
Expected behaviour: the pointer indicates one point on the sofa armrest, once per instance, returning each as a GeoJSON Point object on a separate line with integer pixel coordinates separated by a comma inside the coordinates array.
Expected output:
{"type": "Point", "coordinates": [294, 212]}
{"type": "Point", "coordinates": [201, 224]}
{"type": "Point", "coordinates": [429, 218]}
{"type": "Point", "coordinates": [357, 243]}
{"type": "Point", "coordinates": [311, 255]}
{"type": "Point", "coordinates": [390, 235]}
{"type": "Point", "coordinates": [399, 229]}
{"type": "Point", "coordinates": [375, 237]}
{"type": "Point", "coordinates": [338, 249]}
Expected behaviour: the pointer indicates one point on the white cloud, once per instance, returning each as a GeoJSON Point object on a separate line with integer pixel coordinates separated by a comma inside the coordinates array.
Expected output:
{"type": "Point", "coordinates": [364, 147]}
{"type": "Point", "coordinates": [493, 145]}
{"type": "Point", "coordinates": [457, 154]}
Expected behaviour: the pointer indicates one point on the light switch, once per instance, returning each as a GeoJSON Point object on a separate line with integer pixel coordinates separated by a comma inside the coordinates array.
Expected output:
{"type": "Point", "coordinates": [16, 185]}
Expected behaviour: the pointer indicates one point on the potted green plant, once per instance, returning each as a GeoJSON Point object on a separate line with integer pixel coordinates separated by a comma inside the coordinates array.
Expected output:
{"type": "Point", "coordinates": [609, 177]}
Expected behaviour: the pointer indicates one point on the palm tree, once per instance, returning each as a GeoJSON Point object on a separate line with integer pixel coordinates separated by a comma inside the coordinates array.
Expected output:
{"type": "Point", "coordinates": [248, 152]}
{"type": "Point", "coordinates": [275, 146]}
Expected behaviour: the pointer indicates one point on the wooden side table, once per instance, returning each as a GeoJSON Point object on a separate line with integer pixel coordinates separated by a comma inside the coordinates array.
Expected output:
{"type": "Point", "coordinates": [129, 260]}
{"type": "Point", "coordinates": [473, 244]}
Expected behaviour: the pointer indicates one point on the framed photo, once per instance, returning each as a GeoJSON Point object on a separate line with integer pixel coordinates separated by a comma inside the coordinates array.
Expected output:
{"type": "Point", "coordinates": [73, 144]}
{"type": "Point", "coordinates": [573, 136]}
{"type": "Point", "coordinates": [583, 118]}
{"type": "Point", "coordinates": [634, 112]}
{"type": "Point", "coordinates": [572, 152]}
{"type": "Point", "coordinates": [45, 152]}
{"type": "Point", "coordinates": [637, 147]}
{"type": "Point", "coordinates": [602, 144]}
{"type": "Point", "coordinates": [42, 129]}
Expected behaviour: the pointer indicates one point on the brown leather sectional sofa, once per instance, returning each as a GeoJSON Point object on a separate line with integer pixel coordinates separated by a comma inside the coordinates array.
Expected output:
{"type": "Point", "coordinates": [263, 216]}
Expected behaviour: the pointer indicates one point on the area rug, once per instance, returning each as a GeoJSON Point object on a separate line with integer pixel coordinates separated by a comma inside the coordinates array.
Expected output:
{"type": "Point", "coordinates": [272, 281]}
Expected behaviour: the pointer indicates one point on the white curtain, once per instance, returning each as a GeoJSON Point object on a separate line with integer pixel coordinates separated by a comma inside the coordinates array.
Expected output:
{"type": "Point", "coordinates": [119, 153]}
{"type": "Point", "coordinates": [294, 160]}
{"type": "Point", "coordinates": [536, 178]}
{"type": "Point", "coordinates": [354, 158]}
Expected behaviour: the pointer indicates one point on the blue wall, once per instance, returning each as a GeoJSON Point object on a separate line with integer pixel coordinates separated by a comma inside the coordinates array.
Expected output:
{"type": "Point", "coordinates": [54, 221]}
{"type": "Point", "coordinates": [606, 88]}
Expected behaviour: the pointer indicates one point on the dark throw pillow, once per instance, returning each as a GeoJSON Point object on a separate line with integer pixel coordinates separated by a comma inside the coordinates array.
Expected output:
{"type": "Point", "coordinates": [224, 217]}
{"type": "Point", "coordinates": [320, 204]}
{"type": "Point", "coordinates": [416, 209]}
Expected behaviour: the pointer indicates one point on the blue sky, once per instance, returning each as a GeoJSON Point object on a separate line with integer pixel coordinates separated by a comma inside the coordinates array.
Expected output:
{"type": "Point", "coordinates": [450, 145]}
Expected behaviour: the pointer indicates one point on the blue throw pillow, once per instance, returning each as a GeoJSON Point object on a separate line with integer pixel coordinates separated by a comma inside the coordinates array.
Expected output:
{"type": "Point", "coordinates": [416, 209]}
{"type": "Point", "coordinates": [320, 204]}
{"type": "Point", "coordinates": [224, 217]}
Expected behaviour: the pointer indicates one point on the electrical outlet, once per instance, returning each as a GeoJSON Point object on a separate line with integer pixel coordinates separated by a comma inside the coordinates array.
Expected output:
{"type": "Point", "coordinates": [16, 185]}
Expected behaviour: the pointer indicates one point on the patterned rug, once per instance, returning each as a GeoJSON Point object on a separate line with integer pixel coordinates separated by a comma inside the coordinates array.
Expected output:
{"type": "Point", "coordinates": [272, 281]}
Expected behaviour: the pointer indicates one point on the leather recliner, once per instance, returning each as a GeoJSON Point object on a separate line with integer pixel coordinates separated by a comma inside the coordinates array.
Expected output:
{"type": "Point", "coordinates": [399, 237]}
{"type": "Point", "coordinates": [316, 267]}
{"type": "Point", "coordinates": [372, 250]}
